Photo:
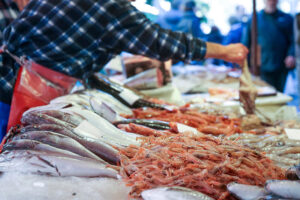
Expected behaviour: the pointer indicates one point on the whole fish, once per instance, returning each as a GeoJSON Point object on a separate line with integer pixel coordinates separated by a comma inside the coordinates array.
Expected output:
{"type": "Point", "coordinates": [104, 110]}
{"type": "Point", "coordinates": [102, 129]}
{"type": "Point", "coordinates": [54, 164]}
{"type": "Point", "coordinates": [44, 116]}
{"type": "Point", "coordinates": [59, 141]}
{"type": "Point", "coordinates": [154, 124]}
{"type": "Point", "coordinates": [286, 189]}
{"type": "Point", "coordinates": [40, 118]}
{"type": "Point", "coordinates": [55, 106]}
{"type": "Point", "coordinates": [101, 149]}
{"type": "Point", "coordinates": [78, 100]}
{"type": "Point", "coordinates": [111, 101]}
{"type": "Point", "coordinates": [246, 192]}
{"type": "Point", "coordinates": [173, 193]}
{"type": "Point", "coordinates": [125, 95]}
{"type": "Point", "coordinates": [26, 144]}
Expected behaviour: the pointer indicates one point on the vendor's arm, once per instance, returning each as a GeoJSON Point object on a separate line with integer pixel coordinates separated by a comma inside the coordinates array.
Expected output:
{"type": "Point", "coordinates": [236, 53]}
{"type": "Point", "coordinates": [130, 30]}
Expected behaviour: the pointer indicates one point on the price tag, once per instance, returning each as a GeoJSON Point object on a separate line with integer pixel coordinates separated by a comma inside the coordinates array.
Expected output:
{"type": "Point", "coordinates": [293, 134]}
{"type": "Point", "coordinates": [129, 96]}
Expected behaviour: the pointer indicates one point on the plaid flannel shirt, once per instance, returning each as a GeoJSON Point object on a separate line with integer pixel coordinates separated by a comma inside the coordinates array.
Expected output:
{"type": "Point", "coordinates": [8, 12]}
{"type": "Point", "coordinates": [77, 37]}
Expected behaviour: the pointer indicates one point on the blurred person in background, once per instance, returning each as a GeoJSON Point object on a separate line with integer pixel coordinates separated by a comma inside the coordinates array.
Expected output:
{"type": "Point", "coordinates": [276, 41]}
{"type": "Point", "coordinates": [170, 19]}
{"type": "Point", "coordinates": [189, 22]}
{"type": "Point", "coordinates": [237, 24]}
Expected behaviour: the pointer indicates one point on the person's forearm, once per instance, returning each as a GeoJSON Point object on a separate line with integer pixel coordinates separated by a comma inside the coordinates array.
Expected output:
{"type": "Point", "coordinates": [214, 50]}
{"type": "Point", "coordinates": [235, 53]}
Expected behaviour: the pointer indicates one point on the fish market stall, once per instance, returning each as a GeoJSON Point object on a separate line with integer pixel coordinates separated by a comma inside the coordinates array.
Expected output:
{"type": "Point", "coordinates": [112, 142]}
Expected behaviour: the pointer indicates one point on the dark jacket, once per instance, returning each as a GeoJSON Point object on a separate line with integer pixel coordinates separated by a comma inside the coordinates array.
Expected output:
{"type": "Point", "coordinates": [275, 37]}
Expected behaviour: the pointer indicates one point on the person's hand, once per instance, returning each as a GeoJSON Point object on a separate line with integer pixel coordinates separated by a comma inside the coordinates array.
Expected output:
{"type": "Point", "coordinates": [235, 53]}
{"type": "Point", "coordinates": [290, 62]}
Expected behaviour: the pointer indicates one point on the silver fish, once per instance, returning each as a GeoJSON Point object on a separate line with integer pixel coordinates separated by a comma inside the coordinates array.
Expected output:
{"type": "Point", "coordinates": [54, 164]}
{"type": "Point", "coordinates": [77, 100]}
{"type": "Point", "coordinates": [285, 188]}
{"type": "Point", "coordinates": [98, 147]}
{"type": "Point", "coordinates": [59, 141]}
{"type": "Point", "coordinates": [43, 116]}
{"type": "Point", "coordinates": [246, 192]}
{"type": "Point", "coordinates": [40, 118]}
{"type": "Point", "coordinates": [25, 144]}
{"type": "Point", "coordinates": [173, 193]}
{"type": "Point", "coordinates": [115, 104]}
{"type": "Point", "coordinates": [104, 110]}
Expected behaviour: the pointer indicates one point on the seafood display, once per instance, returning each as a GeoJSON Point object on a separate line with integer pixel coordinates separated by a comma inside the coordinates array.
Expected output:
{"type": "Point", "coordinates": [202, 163]}
{"type": "Point", "coordinates": [205, 123]}
{"type": "Point", "coordinates": [160, 151]}
{"type": "Point", "coordinates": [283, 151]}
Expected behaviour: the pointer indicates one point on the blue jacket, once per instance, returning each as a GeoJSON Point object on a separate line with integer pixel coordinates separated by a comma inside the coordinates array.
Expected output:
{"type": "Point", "coordinates": [170, 19]}
{"type": "Point", "coordinates": [190, 23]}
{"type": "Point", "coordinates": [234, 35]}
{"type": "Point", "coordinates": [275, 37]}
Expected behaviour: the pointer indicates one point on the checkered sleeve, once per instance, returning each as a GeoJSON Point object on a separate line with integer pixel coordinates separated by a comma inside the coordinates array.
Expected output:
{"type": "Point", "coordinates": [130, 30]}
{"type": "Point", "coordinates": [8, 12]}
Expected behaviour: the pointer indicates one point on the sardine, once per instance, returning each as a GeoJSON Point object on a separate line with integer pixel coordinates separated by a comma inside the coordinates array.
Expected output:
{"type": "Point", "coordinates": [54, 164]}
{"type": "Point", "coordinates": [174, 193]}
{"type": "Point", "coordinates": [246, 192]}
{"type": "Point", "coordinates": [59, 141]}
{"type": "Point", "coordinates": [284, 188]}
{"type": "Point", "coordinates": [101, 149]}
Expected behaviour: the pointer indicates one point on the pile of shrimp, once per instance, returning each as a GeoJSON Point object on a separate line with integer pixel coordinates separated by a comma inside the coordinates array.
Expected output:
{"type": "Point", "coordinates": [145, 131]}
{"type": "Point", "coordinates": [203, 163]}
{"type": "Point", "coordinates": [205, 123]}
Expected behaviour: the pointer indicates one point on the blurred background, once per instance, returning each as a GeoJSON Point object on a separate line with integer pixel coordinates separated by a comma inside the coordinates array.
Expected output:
{"type": "Point", "coordinates": [221, 22]}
